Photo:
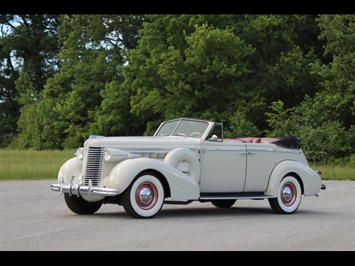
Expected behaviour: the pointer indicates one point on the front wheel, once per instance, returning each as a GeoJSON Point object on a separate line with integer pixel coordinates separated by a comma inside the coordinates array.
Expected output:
{"type": "Point", "coordinates": [80, 206]}
{"type": "Point", "coordinates": [288, 197]}
{"type": "Point", "coordinates": [144, 197]}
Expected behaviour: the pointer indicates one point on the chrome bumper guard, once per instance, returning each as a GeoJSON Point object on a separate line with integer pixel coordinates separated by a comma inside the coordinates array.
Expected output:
{"type": "Point", "coordinates": [76, 189]}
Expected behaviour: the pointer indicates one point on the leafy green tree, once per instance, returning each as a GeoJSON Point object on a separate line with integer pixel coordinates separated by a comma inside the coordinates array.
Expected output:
{"type": "Point", "coordinates": [280, 120]}
{"type": "Point", "coordinates": [92, 51]}
{"type": "Point", "coordinates": [64, 77]}
{"type": "Point", "coordinates": [281, 63]}
{"type": "Point", "coordinates": [327, 120]}
{"type": "Point", "coordinates": [114, 115]}
{"type": "Point", "coordinates": [239, 126]}
{"type": "Point", "coordinates": [338, 97]}
{"type": "Point", "coordinates": [323, 139]}
{"type": "Point", "coordinates": [9, 107]}
{"type": "Point", "coordinates": [200, 78]}
{"type": "Point", "coordinates": [28, 43]}
{"type": "Point", "coordinates": [29, 135]}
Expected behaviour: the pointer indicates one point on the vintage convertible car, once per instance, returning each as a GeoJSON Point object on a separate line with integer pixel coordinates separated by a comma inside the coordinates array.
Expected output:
{"type": "Point", "coordinates": [186, 160]}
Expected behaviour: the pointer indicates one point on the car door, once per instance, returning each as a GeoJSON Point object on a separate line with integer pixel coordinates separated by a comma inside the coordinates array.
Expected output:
{"type": "Point", "coordinates": [260, 162]}
{"type": "Point", "coordinates": [223, 166]}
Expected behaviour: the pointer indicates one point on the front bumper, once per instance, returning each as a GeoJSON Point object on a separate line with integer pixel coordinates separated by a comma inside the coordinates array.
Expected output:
{"type": "Point", "coordinates": [76, 189]}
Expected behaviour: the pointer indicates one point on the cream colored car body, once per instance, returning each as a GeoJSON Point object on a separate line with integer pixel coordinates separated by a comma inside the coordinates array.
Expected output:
{"type": "Point", "coordinates": [194, 167]}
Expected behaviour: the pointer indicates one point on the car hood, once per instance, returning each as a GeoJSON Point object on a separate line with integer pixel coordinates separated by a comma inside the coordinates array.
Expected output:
{"type": "Point", "coordinates": [142, 142]}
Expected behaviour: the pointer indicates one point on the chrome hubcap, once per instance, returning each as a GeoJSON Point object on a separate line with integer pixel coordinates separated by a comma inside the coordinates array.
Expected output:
{"type": "Point", "coordinates": [287, 194]}
{"type": "Point", "coordinates": [145, 195]}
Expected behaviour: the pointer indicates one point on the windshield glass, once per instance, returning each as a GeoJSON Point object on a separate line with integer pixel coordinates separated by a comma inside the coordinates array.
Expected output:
{"type": "Point", "coordinates": [183, 127]}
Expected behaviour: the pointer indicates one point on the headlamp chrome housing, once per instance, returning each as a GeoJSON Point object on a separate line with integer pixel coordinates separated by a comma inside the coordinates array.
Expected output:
{"type": "Point", "coordinates": [79, 154]}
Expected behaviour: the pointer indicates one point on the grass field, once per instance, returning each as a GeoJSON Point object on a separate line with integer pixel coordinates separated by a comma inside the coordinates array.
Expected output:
{"type": "Point", "coordinates": [32, 165]}
{"type": "Point", "coordinates": [36, 165]}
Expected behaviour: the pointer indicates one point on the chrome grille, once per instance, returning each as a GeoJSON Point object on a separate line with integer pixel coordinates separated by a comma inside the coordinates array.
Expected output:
{"type": "Point", "coordinates": [94, 165]}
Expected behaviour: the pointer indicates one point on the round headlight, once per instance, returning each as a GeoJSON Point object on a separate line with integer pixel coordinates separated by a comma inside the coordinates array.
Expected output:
{"type": "Point", "coordinates": [107, 155]}
{"type": "Point", "coordinates": [79, 153]}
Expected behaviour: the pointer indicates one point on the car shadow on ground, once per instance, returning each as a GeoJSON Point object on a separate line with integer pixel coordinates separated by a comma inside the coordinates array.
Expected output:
{"type": "Point", "coordinates": [205, 211]}
{"type": "Point", "coordinates": [193, 212]}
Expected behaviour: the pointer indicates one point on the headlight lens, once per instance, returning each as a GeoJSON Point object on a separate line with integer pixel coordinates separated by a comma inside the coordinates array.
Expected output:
{"type": "Point", "coordinates": [79, 153]}
{"type": "Point", "coordinates": [107, 155]}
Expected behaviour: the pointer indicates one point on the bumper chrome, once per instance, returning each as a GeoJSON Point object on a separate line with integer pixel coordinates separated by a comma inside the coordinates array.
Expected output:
{"type": "Point", "coordinates": [76, 189]}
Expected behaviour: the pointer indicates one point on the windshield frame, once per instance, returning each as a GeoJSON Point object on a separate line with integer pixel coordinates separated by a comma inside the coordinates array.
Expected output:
{"type": "Point", "coordinates": [186, 127]}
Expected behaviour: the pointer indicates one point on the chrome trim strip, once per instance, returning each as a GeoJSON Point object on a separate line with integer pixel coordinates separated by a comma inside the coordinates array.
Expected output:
{"type": "Point", "coordinates": [146, 150]}
{"type": "Point", "coordinates": [251, 150]}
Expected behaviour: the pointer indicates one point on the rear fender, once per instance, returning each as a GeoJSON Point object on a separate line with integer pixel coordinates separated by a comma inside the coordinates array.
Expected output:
{"type": "Point", "coordinates": [311, 181]}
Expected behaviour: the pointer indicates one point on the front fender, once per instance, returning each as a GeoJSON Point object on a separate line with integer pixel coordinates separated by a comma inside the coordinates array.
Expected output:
{"type": "Point", "coordinates": [71, 167]}
{"type": "Point", "coordinates": [182, 186]}
{"type": "Point", "coordinates": [312, 182]}
{"type": "Point", "coordinates": [71, 172]}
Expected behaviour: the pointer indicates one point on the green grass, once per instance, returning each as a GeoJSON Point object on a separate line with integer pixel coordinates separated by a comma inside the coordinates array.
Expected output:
{"type": "Point", "coordinates": [331, 172]}
{"type": "Point", "coordinates": [37, 165]}
{"type": "Point", "coordinates": [32, 165]}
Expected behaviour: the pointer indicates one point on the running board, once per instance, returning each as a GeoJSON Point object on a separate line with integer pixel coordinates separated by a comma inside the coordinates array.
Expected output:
{"type": "Point", "coordinates": [236, 196]}
{"type": "Point", "coordinates": [223, 196]}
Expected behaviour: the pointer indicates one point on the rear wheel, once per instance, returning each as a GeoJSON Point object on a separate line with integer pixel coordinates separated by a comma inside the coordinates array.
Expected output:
{"type": "Point", "coordinates": [80, 206]}
{"type": "Point", "coordinates": [288, 197]}
{"type": "Point", "coordinates": [223, 203]}
{"type": "Point", "coordinates": [144, 197]}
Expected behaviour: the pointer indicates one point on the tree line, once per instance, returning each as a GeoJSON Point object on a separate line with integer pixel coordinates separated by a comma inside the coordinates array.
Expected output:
{"type": "Point", "coordinates": [64, 77]}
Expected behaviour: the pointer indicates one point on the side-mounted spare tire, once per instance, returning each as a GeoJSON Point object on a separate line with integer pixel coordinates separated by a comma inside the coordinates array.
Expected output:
{"type": "Point", "coordinates": [185, 161]}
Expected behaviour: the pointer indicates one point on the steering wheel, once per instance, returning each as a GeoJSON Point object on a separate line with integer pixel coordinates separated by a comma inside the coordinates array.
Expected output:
{"type": "Point", "coordinates": [196, 135]}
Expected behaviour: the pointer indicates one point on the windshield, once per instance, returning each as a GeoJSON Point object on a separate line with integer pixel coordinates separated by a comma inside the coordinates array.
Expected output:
{"type": "Point", "coordinates": [182, 127]}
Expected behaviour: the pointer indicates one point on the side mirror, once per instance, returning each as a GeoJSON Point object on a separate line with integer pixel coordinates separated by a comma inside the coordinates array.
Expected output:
{"type": "Point", "coordinates": [214, 138]}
